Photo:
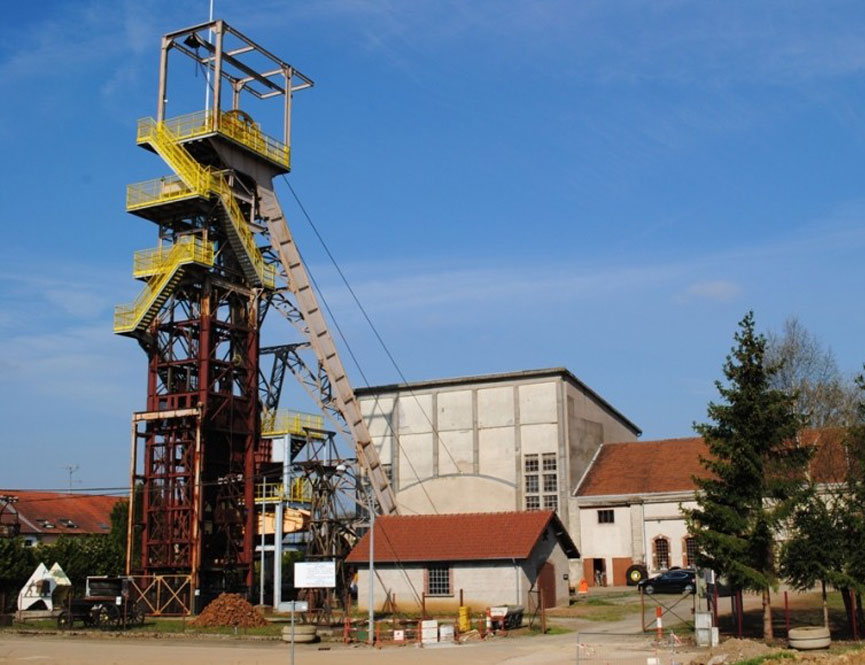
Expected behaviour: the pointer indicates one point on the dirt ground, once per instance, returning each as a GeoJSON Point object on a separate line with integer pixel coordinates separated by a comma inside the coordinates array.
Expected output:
{"type": "Point", "coordinates": [546, 650]}
{"type": "Point", "coordinates": [613, 639]}
{"type": "Point", "coordinates": [51, 650]}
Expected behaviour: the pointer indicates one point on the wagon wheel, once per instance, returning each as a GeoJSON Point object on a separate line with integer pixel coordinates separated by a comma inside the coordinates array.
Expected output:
{"type": "Point", "coordinates": [108, 616]}
{"type": "Point", "coordinates": [136, 616]}
{"type": "Point", "coordinates": [65, 620]}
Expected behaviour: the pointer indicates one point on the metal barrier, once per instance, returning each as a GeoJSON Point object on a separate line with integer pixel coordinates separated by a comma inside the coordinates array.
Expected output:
{"type": "Point", "coordinates": [401, 631]}
{"type": "Point", "coordinates": [667, 611]}
{"type": "Point", "coordinates": [633, 649]}
{"type": "Point", "coordinates": [385, 631]}
{"type": "Point", "coordinates": [162, 595]}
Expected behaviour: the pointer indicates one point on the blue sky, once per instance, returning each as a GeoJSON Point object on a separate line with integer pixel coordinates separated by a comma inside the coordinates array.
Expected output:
{"type": "Point", "coordinates": [606, 186]}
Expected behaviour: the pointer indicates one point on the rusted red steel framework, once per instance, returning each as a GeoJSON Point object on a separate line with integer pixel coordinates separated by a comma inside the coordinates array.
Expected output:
{"type": "Point", "coordinates": [199, 436]}
{"type": "Point", "coordinates": [225, 257]}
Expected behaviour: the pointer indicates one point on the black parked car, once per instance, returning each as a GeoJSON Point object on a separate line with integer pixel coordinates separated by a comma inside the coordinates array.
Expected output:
{"type": "Point", "coordinates": [682, 580]}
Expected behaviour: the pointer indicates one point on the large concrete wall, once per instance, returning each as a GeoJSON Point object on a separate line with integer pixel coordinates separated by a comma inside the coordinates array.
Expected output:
{"type": "Point", "coordinates": [460, 445]}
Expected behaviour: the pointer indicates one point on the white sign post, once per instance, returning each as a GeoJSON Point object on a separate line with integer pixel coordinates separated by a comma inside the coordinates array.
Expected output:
{"type": "Point", "coordinates": [310, 575]}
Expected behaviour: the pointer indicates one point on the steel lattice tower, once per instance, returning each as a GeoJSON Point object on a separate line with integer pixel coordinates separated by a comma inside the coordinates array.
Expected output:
{"type": "Point", "coordinates": [224, 259]}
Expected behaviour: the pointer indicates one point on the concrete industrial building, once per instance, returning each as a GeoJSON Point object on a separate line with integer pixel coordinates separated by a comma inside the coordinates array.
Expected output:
{"type": "Point", "coordinates": [498, 442]}
{"type": "Point", "coordinates": [477, 559]}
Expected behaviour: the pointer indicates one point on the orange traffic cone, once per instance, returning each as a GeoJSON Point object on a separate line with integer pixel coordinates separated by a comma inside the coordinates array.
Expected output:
{"type": "Point", "coordinates": [584, 587]}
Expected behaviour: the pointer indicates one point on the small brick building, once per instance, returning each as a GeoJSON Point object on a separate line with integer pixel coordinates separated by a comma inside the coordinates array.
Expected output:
{"type": "Point", "coordinates": [488, 558]}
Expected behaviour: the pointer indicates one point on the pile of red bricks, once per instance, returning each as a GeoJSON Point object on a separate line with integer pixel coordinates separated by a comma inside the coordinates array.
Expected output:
{"type": "Point", "coordinates": [230, 609]}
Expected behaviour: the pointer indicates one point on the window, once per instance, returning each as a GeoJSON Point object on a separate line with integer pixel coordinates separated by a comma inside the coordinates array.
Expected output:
{"type": "Point", "coordinates": [662, 553]}
{"type": "Point", "coordinates": [606, 516]}
{"type": "Point", "coordinates": [690, 552]}
{"type": "Point", "coordinates": [438, 581]}
{"type": "Point", "coordinates": [531, 466]}
{"type": "Point", "coordinates": [541, 481]}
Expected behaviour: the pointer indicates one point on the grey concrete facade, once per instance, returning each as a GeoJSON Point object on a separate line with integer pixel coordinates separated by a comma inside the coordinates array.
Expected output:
{"type": "Point", "coordinates": [469, 444]}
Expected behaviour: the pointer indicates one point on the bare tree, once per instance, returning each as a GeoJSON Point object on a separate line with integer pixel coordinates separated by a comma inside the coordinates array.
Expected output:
{"type": "Point", "coordinates": [808, 370]}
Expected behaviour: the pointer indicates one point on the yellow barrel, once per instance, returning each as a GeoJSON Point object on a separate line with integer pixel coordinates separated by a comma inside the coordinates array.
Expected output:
{"type": "Point", "coordinates": [464, 621]}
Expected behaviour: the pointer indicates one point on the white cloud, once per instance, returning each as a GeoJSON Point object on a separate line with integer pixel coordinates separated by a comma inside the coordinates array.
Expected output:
{"type": "Point", "coordinates": [717, 290]}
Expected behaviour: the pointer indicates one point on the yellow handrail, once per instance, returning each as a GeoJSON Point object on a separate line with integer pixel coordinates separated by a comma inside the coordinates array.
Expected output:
{"type": "Point", "coordinates": [203, 181]}
{"type": "Point", "coordinates": [127, 317]}
{"type": "Point", "coordinates": [299, 491]}
{"type": "Point", "coordinates": [284, 421]}
{"type": "Point", "coordinates": [148, 262]}
{"type": "Point", "coordinates": [200, 123]}
{"type": "Point", "coordinates": [158, 190]}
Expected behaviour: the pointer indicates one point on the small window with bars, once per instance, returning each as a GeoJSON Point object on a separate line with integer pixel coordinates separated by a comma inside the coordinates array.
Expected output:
{"type": "Point", "coordinates": [533, 502]}
{"type": "Point", "coordinates": [551, 502]}
{"type": "Point", "coordinates": [549, 462]}
{"type": "Point", "coordinates": [606, 516]}
{"type": "Point", "coordinates": [531, 464]}
{"type": "Point", "coordinates": [531, 484]}
{"type": "Point", "coordinates": [550, 484]}
{"type": "Point", "coordinates": [438, 581]}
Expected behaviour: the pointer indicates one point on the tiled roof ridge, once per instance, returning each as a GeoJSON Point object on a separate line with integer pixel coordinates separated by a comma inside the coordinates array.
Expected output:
{"type": "Point", "coordinates": [678, 439]}
{"type": "Point", "coordinates": [805, 433]}
{"type": "Point", "coordinates": [461, 515]}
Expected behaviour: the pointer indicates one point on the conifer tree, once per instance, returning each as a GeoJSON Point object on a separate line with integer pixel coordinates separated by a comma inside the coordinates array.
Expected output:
{"type": "Point", "coordinates": [756, 468]}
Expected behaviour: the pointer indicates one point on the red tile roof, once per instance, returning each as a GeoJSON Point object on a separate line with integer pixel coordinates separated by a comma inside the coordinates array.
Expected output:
{"type": "Point", "coordinates": [67, 513]}
{"type": "Point", "coordinates": [669, 465]}
{"type": "Point", "coordinates": [644, 467]}
{"type": "Point", "coordinates": [460, 537]}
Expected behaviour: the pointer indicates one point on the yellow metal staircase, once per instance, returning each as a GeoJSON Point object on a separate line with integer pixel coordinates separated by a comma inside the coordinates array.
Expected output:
{"type": "Point", "coordinates": [163, 266]}
{"type": "Point", "coordinates": [205, 182]}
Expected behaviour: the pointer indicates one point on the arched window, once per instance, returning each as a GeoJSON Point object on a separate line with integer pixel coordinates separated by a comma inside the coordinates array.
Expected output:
{"type": "Point", "coordinates": [690, 552]}
{"type": "Point", "coordinates": [661, 547]}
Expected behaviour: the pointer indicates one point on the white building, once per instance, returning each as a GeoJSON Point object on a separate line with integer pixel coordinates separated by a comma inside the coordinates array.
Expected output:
{"type": "Point", "coordinates": [629, 503]}
{"type": "Point", "coordinates": [499, 442]}
{"type": "Point", "coordinates": [479, 560]}
{"type": "Point", "coordinates": [629, 508]}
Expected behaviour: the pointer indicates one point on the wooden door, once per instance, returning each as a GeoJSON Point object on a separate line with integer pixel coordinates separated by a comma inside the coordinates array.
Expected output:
{"type": "Point", "coordinates": [547, 584]}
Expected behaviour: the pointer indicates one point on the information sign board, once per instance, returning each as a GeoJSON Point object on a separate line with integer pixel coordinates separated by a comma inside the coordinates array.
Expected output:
{"type": "Point", "coordinates": [315, 574]}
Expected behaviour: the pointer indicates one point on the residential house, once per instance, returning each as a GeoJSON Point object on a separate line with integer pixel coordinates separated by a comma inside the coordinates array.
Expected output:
{"type": "Point", "coordinates": [42, 517]}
